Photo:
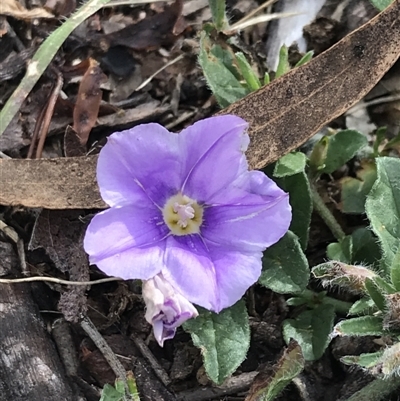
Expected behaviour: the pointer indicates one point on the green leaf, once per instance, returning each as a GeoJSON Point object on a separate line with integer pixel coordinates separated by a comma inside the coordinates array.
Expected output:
{"type": "Point", "coordinates": [364, 306]}
{"type": "Point", "coordinates": [300, 199]}
{"type": "Point", "coordinates": [395, 271]}
{"type": "Point", "coordinates": [342, 147]}
{"type": "Point", "coordinates": [288, 367]}
{"type": "Point", "coordinates": [380, 135]}
{"type": "Point", "coordinates": [368, 360]}
{"type": "Point", "coordinates": [109, 393]}
{"type": "Point", "coordinates": [283, 63]}
{"type": "Point", "coordinates": [354, 191]}
{"type": "Point", "coordinates": [381, 4]}
{"type": "Point", "coordinates": [296, 301]}
{"type": "Point", "coordinates": [120, 386]}
{"type": "Point", "coordinates": [341, 251]}
{"type": "Point", "coordinates": [360, 247]}
{"type": "Point", "coordinates": [217, 8]}
{"type": "Point", "coordinates": [267, 79]}
{"type": "Point", "coordinates": [226, 56]}
{"type": "Point", "coordinates": [384, 286]}
{"type": "Point", "coordinates": [223, 339]}
{"type": "Point", "coordinates": [248, 74]}
{"type": "Point", "coordinates": [311, 329]}
{"type": "Point", "coordinates": [222, 82]}
{"type": "Point", "coordinates": [393, 144]}
{"type": "Point", "coordinates": [365, 248]}
{"type": "Point", "coordinates": [383, 208]}
{"type": "Point", "coordinates": [360, 326]}
{"type": "Point", "coordinates": [290, 164]}
{"type": "Point", "coordinates": [318, 155]}
{"type": "Point", "coordinates": [375, 293]}
{"type": "Point", "coordinates": [305, 59]}
{"type": "Point", "coordinates": [285, 267]}
{"type": "Point", "coordinates": [131, 382]}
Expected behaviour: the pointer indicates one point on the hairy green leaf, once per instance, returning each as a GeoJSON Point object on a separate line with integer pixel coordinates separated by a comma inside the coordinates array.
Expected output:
{"type": "Point", "coordinates": [222, 82]}
{"type": "Point", "coordinates": [355, 190]}
{"type": "Point", "coordinates": [283, 62]}
{"type": "Point", "coordinates": [249, 75]}
{"type": "Point", "coordinates": [381, 4]}
{"type": "Point", "coordinates": [311, 329]}
{"type": "Point", "coordinates": [383, 208]}
{"type": "Point", "coordinates": [305, 59]}
{"type": "Point", "coordinates": [290, 164]}
{"type": "Point", "coordinates": [375, 293]}
{"type": "Point", "coordinates": [342, 146]}
{"type": "Point", "coordinates": [217, 8]}
{"type": "Point", "coordinates": [364, 306]}
{"type": "Point", "coordinates": [298, 187]}
{"type": "Point", "coordinates": [360, 326]}
{"type": "Point", "coordinates": [223, 339]}
{"type": "Point", "coordinates": [395, 271]}
{"type": "Point", "coordinates": [285, 267]}
{"type": "Point", "coordinates": [368, 360]}
{"type": "Point", "coordinates": [110, 393]}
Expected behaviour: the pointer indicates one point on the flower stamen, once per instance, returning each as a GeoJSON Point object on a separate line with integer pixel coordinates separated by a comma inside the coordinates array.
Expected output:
{"type": "Point", "coordinates": [183, 215]}
{"type": "Point", "coordinates": [185, 212]}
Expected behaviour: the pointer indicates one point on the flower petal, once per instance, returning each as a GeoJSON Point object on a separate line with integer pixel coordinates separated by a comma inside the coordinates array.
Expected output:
{"type": "Point", "coordinates": [166, 308]}
{"type": "Point", "coordinates": [214, 151]}
{"type": "Point", "coordinates": [253, 221]}
{"type": "Point", "coordinates": [253, 182]}
{"type": "Point", "coordinates": [127, 241]}
{"type": "Point", "coordinates": [134, 263]}
{"type": "Point", "coordinates": [235, 273]}
{"type": "Point", "coordinates": [208, 275]}
{"type": "Point", "coordinates": [141, 163]}
{"type": "Point", "coordinates": [189, 269]}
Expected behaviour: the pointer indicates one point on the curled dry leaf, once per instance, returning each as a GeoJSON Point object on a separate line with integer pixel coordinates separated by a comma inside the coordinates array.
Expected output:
{"type": "Point", "coordinates": [14, 9]}
{"type": "Point", "coordinates": [270, 382]}
{"type": "Point", "coordinates": [88, 102]}
{"type": "Point", "coordinates": [282, 116]}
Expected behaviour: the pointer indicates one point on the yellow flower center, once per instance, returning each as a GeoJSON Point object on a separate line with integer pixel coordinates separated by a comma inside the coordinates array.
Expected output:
{"type": "Point", "coordinates": [183, 215]}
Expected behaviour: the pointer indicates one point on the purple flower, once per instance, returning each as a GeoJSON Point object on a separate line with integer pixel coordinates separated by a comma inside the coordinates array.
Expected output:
{"type": "Point", "coordinates": [185, 205]}
{"type": "Point", "coordinates": [166, 309]}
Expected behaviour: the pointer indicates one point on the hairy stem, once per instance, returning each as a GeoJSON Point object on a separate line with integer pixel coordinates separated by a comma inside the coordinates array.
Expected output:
{"type": "Point", "coordinates": [326, 214]}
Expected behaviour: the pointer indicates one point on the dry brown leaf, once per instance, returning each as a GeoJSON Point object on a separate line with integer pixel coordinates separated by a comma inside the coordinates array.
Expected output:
{"type": "Point", "coordinates": [61, 183]}
{"type": "Point", "coordinates": [14, 9]}
{"type": "Point", "coordinates": [290, 360]}
{"type": "Point", "coordinates": [88, 101]}
{"type": "Point", "coordinates": [282, 116]}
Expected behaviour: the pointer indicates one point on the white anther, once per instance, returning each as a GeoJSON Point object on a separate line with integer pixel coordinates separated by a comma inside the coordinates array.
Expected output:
{"type": "Point", "coordinates": [185, 213]}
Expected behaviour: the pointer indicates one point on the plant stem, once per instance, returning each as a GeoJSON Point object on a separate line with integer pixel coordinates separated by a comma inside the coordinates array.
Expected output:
{"type": "Point", "coordinates": [326, 214]}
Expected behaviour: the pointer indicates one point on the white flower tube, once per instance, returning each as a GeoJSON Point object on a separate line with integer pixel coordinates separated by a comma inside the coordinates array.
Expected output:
{"type": "Point", "coordinates": [166, 308]}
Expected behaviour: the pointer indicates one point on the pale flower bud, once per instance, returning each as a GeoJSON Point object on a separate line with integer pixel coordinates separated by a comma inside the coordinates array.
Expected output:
{"type": "Point", "coordinates": [166, 308]}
